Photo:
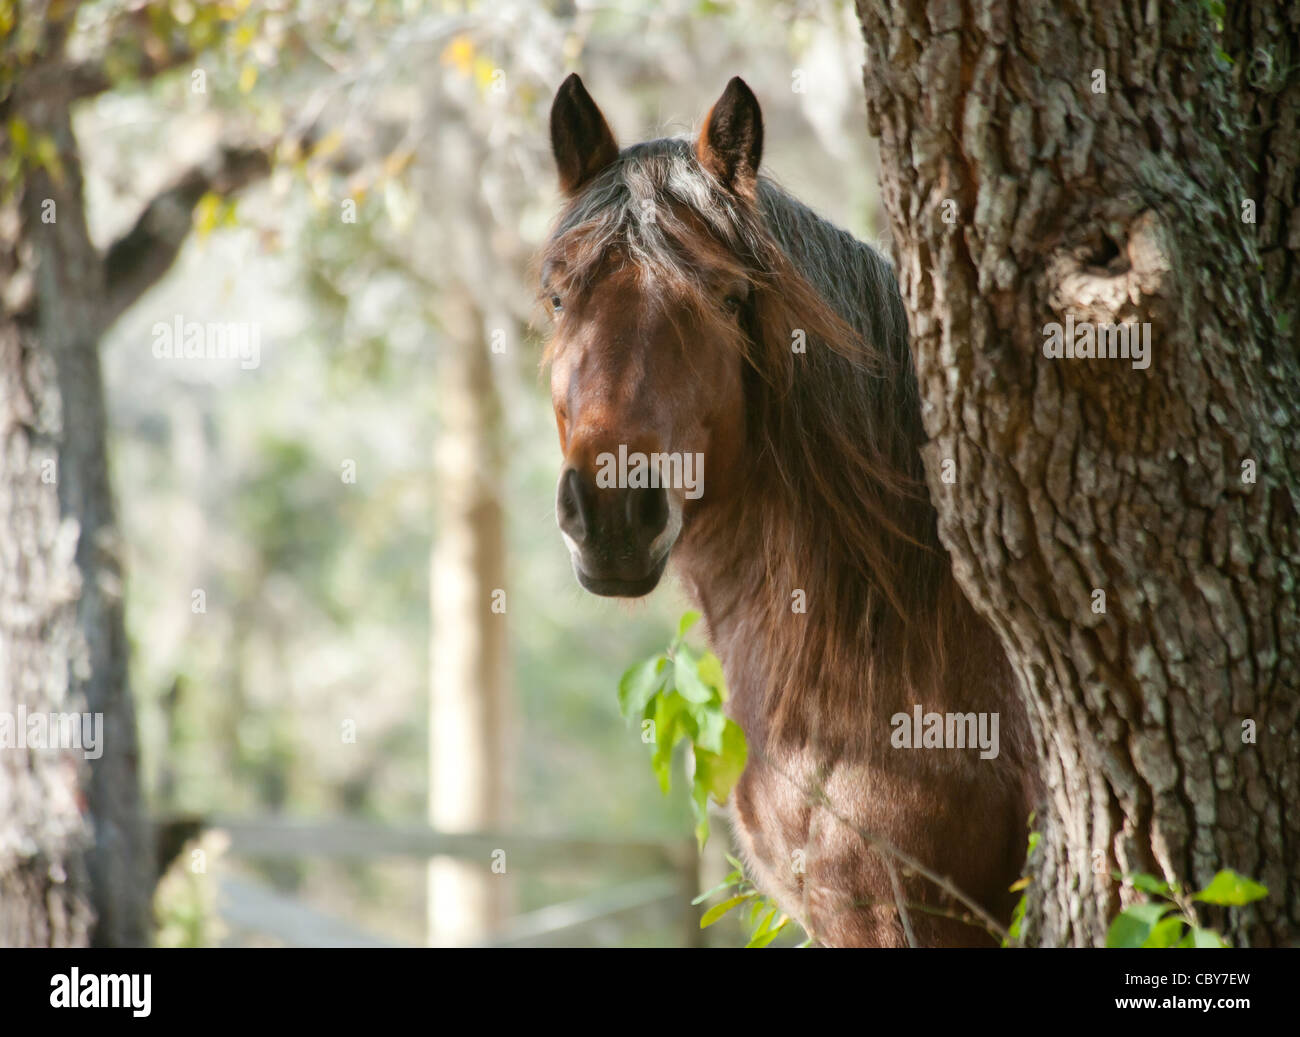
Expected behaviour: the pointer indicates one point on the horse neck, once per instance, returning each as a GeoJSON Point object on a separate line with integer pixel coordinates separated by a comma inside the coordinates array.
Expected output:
{"type": "Point", "coordinates": [833, 675]}
{"type": "Point", "coordinates": [818, 609]}
{"type": "Point", "coordinates": [851, 651]}
{"type": "Point", "coordinates": [791, 612]}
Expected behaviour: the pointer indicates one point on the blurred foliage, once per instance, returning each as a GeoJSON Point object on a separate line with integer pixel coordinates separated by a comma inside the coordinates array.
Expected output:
{"type": "Point", "coordinates": [185, 901]}
{"type": "Point", "coordinates": [412, 161]}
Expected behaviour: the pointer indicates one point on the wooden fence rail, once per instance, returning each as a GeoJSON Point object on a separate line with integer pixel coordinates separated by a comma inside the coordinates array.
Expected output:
{"type": "Point", "coordinates": [667, 875]}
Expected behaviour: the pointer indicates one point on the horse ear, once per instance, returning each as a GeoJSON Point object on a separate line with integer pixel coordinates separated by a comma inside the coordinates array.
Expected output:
{"type": "Point", "coordinates": [580, 136]}
{"type": "Point", "coordinates": [730, 145]}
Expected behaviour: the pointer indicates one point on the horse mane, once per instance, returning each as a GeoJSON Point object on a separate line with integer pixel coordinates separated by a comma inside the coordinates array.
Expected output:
{"type": "Point", "coordinates": [834, 431]}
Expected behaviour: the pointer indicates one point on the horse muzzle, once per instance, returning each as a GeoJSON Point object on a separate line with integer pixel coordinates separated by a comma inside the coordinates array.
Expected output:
{"type": "Point", "coordinates": [619, 538]}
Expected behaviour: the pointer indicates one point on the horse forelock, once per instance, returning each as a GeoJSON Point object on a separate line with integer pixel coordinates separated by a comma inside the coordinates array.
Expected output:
{"type": "Point", "coordinates": [658, 211]}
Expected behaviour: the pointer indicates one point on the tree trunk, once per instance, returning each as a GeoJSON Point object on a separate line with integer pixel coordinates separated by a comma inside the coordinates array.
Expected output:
{"type": "Point", "coordinates": [52, 326]}
{"type": "Point", "coordinates": [467, 682]}
{"type": "Point", "coordinates": [1092, 161]}
{"type": "Point", "coordinates": [45, 896]}
{"type": "Point", "coordinates": [76, 855]}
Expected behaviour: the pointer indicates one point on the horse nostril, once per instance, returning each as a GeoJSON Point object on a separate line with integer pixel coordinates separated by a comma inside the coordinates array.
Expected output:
{"type": "Point", "coordinates": [574, 510]}
{"type": "Point", "coordinates": [647, 509]}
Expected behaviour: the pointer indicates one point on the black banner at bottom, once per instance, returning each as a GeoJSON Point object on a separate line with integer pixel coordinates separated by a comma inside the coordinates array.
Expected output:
{"type": "Point", "coordinates": [337, 987]}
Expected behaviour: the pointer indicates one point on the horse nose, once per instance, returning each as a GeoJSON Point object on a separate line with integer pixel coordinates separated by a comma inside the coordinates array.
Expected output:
{"type": "Point", "coordinates": [575, 505]}
{"type": "Point", "coordinates": [614, 519]}
{"type": "Point", "coordinates": [647, 510]}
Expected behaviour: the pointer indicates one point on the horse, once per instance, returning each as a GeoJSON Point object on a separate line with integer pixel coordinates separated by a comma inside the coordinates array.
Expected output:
{"type": "Point", "coordinates": [698, 310]}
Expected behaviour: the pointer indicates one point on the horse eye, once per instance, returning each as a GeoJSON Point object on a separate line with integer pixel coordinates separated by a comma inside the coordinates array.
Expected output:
{"type": "Point", "coordinates": [732, 303]}
{"type": "Point", "coordinates": [557, 304]}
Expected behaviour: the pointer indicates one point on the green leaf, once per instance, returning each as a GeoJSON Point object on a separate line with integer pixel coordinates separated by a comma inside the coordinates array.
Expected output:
{"type": "Point", "coordinates": [700, 808]}
{"type": "Point", "coordinates": [719, 772]}
{"type": "Point", "coordinates": [710, 671]}
{"type": "Point", "coordinates": [734, 878]}
{"type": "Point", "coordinates": [1231, 890]}
{"type": "Point", "coordinates": [767, 937]}
{"type": "Point", "coordinates": [19, 134]}
{"type": "Point", "coordinates": [710, 726]}
{"type": "Point", "coordinates": [1134, 924]}
{"type": "Point", "coordinates": [47, 156]}
{"type": "Point", "coordinates": [640, 684]}
{"type": "Point", "coordinates": [1148, 883]}
{"type": "Point", "coordinates": [718, 910]}
{"type": "Point", "coordinates": [688, 620]}
{"type": "Point", "coordinates": [1017, 920]}
{"type": "Point", "coordinates": [756, 937]}
{"type": "Point", "coordinates": [1165, 933]}
{"type": "Point", "coordinates": [701, 829]}
{"type": "Point", "coordinates": [1206, 938]}
{"type": "Point", "coordinates": [686, 676]}
{"type": "Point", "coordinates": [207, 213]}
{"type": "Point", "coordinates": [669, 710]}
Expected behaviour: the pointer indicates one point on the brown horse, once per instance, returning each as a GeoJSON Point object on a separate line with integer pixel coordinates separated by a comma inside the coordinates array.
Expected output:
{"type": "Point", "coordinates": [702, 314]}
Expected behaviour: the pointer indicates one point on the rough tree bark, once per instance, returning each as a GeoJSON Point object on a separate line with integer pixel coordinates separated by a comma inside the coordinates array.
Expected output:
{"type": "Point", "coordinates": [1019, 193]}
{"type": "Point", "coordinates": [76, 857]}
{"type": "Point", "coordinates": [44, 885]}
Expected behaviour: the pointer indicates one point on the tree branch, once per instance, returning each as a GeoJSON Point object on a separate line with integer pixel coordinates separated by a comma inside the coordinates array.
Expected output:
{"type": "Point", "coordinates": [903, 917]}
{"type": "Point", "coordinates": [89, 78]}
{"type": "Point", "coordinates": [65, 81]}
{"type": "Point", "coordinates": [138, 259]}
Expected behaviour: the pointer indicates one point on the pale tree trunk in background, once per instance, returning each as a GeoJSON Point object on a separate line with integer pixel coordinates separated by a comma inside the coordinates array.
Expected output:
{"type": "Point", "coordinates": [1079, 475]}
{"type": "Point", "coordinates": [468, 700]}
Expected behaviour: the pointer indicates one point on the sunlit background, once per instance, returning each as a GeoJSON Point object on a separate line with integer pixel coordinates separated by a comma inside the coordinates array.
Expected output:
{"type": "Point", "coordinates": [282, 520]}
